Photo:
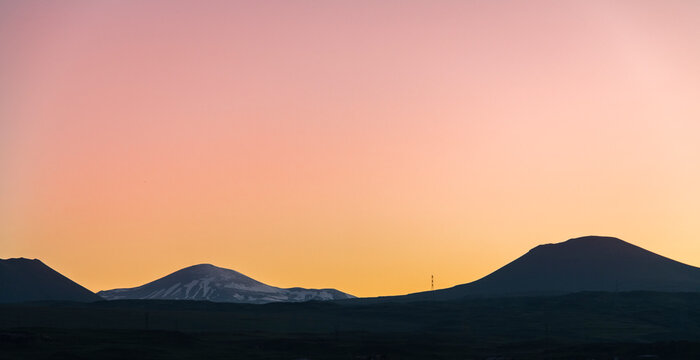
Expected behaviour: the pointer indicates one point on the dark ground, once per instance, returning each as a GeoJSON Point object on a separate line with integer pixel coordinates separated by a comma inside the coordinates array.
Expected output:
{"type": "Point", "coordinates": [579, 326]}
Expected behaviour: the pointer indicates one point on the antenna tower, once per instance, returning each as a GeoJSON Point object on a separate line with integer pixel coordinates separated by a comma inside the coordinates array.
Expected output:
{"type": "Point", "coordinates": [432, 283]}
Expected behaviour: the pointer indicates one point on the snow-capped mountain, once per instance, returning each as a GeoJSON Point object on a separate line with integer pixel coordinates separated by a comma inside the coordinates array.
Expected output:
{"type": "Point", "coordinates": [208, 282]}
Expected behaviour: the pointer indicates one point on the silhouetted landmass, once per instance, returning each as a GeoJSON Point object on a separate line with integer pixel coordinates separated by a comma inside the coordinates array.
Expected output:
{"type": "Point", "coordinates": [591, 263]}
{"type": "Point", "coordinates": [212, 283]}
{"type": "Point", "coordinates": [576, 326]}
{"type": "Point", "coordinates": [574, 300]}
{"type": "Point", "coordinates": [31, 280]}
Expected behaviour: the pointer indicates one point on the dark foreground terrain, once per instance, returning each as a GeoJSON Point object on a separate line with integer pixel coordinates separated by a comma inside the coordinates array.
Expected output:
{"type": "Point", "coordinates": [634, 325]}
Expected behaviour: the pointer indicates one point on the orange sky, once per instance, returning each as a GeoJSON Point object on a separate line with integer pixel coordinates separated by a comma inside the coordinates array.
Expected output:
{"type": "Point", "coordinates": [361, 145]}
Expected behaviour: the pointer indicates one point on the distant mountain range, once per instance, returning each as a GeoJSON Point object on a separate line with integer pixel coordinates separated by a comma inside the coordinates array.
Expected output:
{"type": "Point", "coordinates": [591, 263]}
{"type": "Point", "coordinates": [208, 282]}
{"type": "Point", "coordinates": [31, 280]}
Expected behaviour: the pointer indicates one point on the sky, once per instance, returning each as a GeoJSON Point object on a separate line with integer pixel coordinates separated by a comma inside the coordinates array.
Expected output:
{"type": "Point", "coordinates": [359, 145]}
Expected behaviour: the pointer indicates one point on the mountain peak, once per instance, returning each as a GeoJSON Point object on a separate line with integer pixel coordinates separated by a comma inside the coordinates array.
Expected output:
{"type": "Point", "coordinates": [24, 279]}
{"type": "Point", "coordinates": [21, 259]}
{"type": "Point", "coordinates": [589, 240]}
{"type": "Point", "coordinates": [203, 267]}
{"type": "Point", "coordinates": [588, 263]}
{"type": "Point", "coordinates": [594, 238]}
{"type": "Point", "coordinates": [213, 283]}
{"type": "Point", "coordinates": [589, 243]}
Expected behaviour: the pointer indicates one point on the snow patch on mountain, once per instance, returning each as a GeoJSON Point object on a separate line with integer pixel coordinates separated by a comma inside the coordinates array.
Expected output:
{"type": "Point", "coordinates": [211, 283]}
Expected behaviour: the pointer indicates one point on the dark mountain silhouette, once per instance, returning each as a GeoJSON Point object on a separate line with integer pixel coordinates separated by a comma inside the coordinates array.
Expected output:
{"type": "Point", "coordinates": [591, 263]}
{"type": "Point", "coordinates": [208, 282]}
{"type": "Point", "coordinates": [31, 280]}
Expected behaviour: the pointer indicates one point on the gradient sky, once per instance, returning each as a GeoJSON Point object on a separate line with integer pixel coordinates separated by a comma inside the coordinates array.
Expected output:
{"type": "Point", "coordinates": [361, 145]}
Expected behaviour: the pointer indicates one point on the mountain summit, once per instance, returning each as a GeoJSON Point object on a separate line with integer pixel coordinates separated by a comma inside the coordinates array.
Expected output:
{"type": "Point", "coordinates": [212, 283]}
{"type": "Point", "coordinates": [590, 263]}
{"type": "Point", "coordinates": [31, 280]}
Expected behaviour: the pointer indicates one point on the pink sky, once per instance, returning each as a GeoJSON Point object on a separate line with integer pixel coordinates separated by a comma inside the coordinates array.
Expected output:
{"type": "Point", "coordinates": [360, 145]}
